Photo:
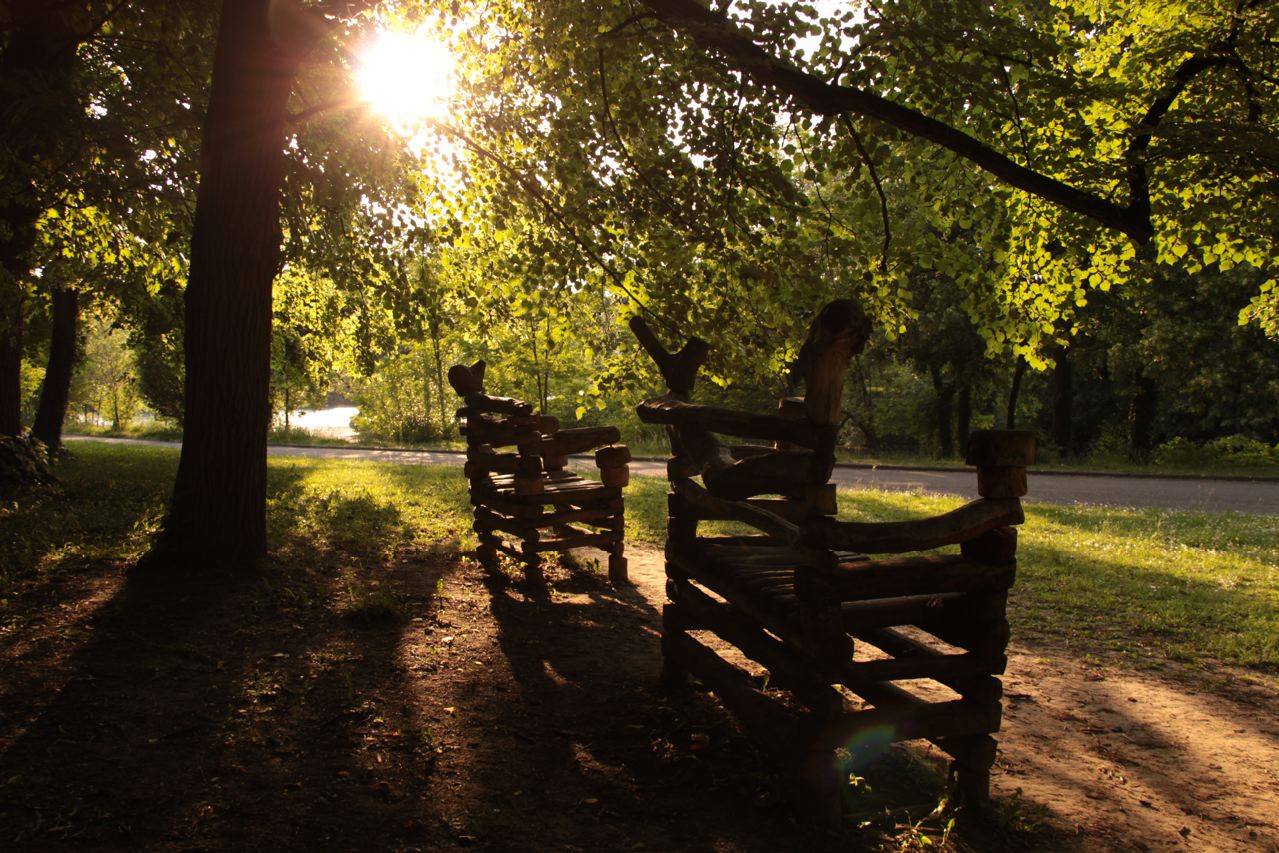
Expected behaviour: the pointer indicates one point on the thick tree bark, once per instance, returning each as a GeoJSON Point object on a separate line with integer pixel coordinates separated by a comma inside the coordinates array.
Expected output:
{"type": "Point", "coordinates": [218, 511]}
{"type": "Point", "coordinates": [55, 392]}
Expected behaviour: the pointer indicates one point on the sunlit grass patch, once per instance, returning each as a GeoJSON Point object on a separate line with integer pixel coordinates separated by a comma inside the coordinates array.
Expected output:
{"type": "Point", "coordinates": [1151, 584]}
{"type": "Point", "coordinates": [1190, 586]}
{"type": "Point", "coordinates": [367, 509]}
{"type": "Point", "coordinates": [107, 504]}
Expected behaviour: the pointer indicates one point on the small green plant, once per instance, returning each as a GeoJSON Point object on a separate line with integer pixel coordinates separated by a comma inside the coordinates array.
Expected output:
{"type": "Point", "coordinates": [1014, 814]}
{"type": "Point", "coordinates": [371, 607]}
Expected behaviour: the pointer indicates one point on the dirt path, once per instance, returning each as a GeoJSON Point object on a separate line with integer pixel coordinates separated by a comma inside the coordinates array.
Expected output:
{"type": "Point", "coordinates": [441, 710]}
{"type": "Point", "coordinates": [1120, 760]}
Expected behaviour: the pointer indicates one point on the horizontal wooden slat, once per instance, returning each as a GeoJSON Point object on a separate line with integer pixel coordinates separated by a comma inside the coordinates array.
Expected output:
{"type": "Point", "coordinates": [775, 612]}
{"type": "Point", "coordinates": [767, 719]}
{"type": "Point", "coordinates": [894, 537]}
{"type": "Point", "coordinates": [579, 540]}
{"type": "Point", "coordinates": [933, 720]}
{"type": "Point", "coordinates": [786, 668]}
{"type": "Point", "coordinates": [664, 410]}
{"type": "Point", "coordinates": [921, 575]}
{"type": "Point", "coordinates": [579, 440]}
{"type": "Point", "coordinates": [773, 525]}
{"type": "Point", "coordinates": [478, 401]}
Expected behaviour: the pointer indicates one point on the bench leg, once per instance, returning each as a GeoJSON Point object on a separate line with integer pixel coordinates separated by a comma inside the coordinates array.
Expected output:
{"type": "Point", "coordinates": [969, 776]}
{"type": "Point", "coordinates": [486, 553]}
{"type": "Point", "coordinates": [533, 568]}
{"type": "Point", "coordinates": [617, 568]}
{"type": "Point", "coordinates": [674, 676]}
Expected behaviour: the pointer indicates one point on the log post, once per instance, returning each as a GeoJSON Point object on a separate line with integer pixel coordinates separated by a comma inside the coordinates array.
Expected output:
{"type": "Point", "coordinates": [969, 773]}
{"type": "Point", "coordinates": [528, 476]}
{"type": "Point", "coordinates": [467, 380]}
{"type": "Point", "coordinates": [532, 558]}
{"type": "Point", "coordinates": [1001, 457]}
{"type": "Point", "coordinates": [679, 370]}
{"type": "Point", "coordinates": [613, 462]}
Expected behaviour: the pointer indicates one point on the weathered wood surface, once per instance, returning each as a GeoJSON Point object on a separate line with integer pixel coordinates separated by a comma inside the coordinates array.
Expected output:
{"type": "Point", "coordinates": [579, 440]}
{"type": "Point", "coordinates": [801, 596]}
{"type": "Point", "coordinates": [679, 370]}
{"type": "Point", "coordinates": [1001, 448]}
{"type": "Point", "coordinates": [681, 414]}
{"type": "Point", "coordinates": [838, 333]}
{"type": "Point", "coordinates": [479, 402]}
{"type": "Point", "coordinates": [894, 537]}
{"type": "Point", "coordinates": [773, 525]}
{"type": "Point", "coordinates": [525, 502]}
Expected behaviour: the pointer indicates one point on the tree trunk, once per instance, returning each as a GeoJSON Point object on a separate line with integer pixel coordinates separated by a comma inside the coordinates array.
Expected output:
{"type": "Point", "coordinates": [37, 103]}
{"type": "Point", "coordinates": [944, 412]}
{"type": "Point", "coordinates": [1141, 420]}
{"type": "Point", "coordinates": [55, 392]}
{"type": "Point", "coordinates": [1014, 392]}
{"type": "Point", "coordinates": [1063, 402]}
{"type": "Point", "coordinates": [964, 415]}
{"type": "Point", "coordinates": [439, 376]}
{"type": "Point", "coordinates": [218, 511]}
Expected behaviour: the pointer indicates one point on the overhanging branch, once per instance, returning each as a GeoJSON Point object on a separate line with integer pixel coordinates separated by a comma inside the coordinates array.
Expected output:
{"type": "Point", "coordinates": [715, 32]}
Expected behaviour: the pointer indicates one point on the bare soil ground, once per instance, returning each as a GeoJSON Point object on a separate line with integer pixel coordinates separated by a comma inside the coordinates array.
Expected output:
{"type": "Point", "coordinates": [453, 711]}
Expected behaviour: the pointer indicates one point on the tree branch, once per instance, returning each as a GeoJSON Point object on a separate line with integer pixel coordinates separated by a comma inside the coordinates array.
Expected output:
{"type": "Point", "coordinates": [715, 32]}
{"type": "Point", "coordinates": [1139, 146]}
{"type": "Point", "coordinates": [539, 197]}
{"type": "Point", "coordinates": [879, 188]}
{"type": "Point", "coordinates": [626, 151]}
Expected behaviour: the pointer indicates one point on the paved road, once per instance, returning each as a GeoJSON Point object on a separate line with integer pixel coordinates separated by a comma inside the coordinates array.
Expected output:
{"type": "Point", "coordinates": [1260, 497]}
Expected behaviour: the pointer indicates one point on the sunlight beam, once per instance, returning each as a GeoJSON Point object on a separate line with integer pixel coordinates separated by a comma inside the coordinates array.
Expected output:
{"type": "Point", "coordinates": [406, 78]}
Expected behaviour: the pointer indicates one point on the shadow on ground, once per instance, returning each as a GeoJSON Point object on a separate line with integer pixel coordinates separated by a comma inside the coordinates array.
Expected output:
{"type": "Point", "coordinates": [401, 702]}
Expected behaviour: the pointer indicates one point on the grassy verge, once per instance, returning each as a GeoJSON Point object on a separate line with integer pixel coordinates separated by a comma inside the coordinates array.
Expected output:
{"type": "Point", "coordinates": [1202, 465]}
{"type": "Point", "coordinates": [111, 499]}
{"type": "Point", "coordinates": [1148, 585]}
{"type": "Point", "coordinates": [162, 430]}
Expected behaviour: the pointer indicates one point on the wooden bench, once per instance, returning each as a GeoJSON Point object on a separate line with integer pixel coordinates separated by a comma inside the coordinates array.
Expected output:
{"type": "Point", "coordinates": [526, 502]}
{"type": "Point", "coordinates": [859, 650]}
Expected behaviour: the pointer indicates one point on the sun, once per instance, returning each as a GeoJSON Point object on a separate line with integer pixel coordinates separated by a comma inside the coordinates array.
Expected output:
{"type": "Point", "coordinates": [405, 77]}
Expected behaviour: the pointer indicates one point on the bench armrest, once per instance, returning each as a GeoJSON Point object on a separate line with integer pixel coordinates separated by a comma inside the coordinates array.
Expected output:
{"type": "Point", "coordinates": [786, 532]}
{"type": "Point", "coordinates": [678, 413]}
{"type": "Point", "coordinates": [897, 537]}
{"type": "Point", "coordinates": [578, 440]}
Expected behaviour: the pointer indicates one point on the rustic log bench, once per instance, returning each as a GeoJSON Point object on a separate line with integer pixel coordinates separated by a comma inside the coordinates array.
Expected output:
{"type": "Point", "coordinates": [858, 649]}
{"type": "Point", "coordinates": [526, 503]}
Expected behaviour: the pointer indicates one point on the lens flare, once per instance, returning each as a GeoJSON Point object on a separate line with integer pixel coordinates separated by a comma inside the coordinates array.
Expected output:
{"type": "Point", "coordinates": [405, 77]}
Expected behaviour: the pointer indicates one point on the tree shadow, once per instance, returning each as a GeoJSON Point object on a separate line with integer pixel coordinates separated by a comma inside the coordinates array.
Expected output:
{"type": "Point", "coordinates": [263, 710]}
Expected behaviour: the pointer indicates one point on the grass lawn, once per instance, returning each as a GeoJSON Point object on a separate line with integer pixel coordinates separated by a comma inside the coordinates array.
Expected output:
{"type": "Point", "coordinates": [1147, 585]}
